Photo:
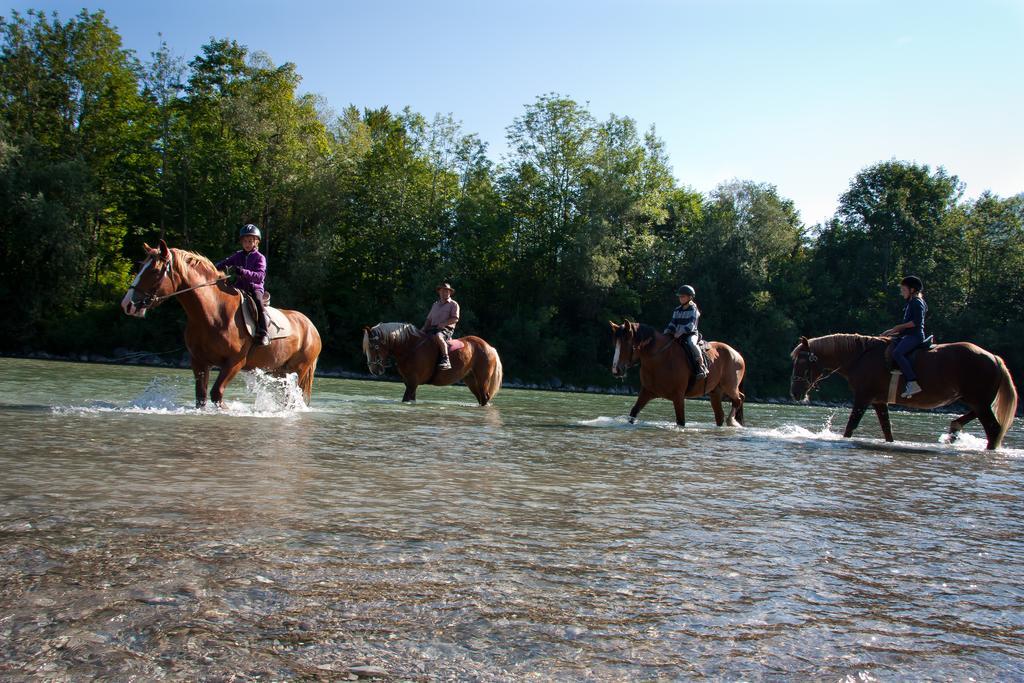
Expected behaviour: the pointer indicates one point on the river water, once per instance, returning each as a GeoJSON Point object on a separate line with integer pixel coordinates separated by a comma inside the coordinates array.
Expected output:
{"type": "Point", "coordinates": [540, 538]}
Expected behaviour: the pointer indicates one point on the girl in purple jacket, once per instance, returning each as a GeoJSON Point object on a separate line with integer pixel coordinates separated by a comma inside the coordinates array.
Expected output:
{"type": "Point", "coordinates": [248, 270]}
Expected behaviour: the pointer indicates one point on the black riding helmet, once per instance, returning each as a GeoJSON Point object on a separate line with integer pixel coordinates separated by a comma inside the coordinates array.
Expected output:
{"type": "Point", "coordinates": [686, 289]}
{"type": "Point", "coordinates": [913, 282]}
{"type": "Point", "coordinates": [250, 229]}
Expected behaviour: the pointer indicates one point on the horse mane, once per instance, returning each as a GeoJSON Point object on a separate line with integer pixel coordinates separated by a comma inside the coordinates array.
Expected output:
{"type": "Point", "coordinates": [195, 260]}
{"type": "Point", "coordinates": [833, 344]}
{"type": "Point", "coordinates": [644, 332]}
{"type": "Point", "coordinates": [393, 333]}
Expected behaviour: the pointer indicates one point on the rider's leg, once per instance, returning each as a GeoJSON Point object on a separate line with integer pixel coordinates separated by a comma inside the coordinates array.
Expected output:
{"type": "Point", "coordinates": [696, 355]}
{"type": "Point", "coordinates": [261, 319]}
{"type": "Point", "coordinates": [442, 345]}
{"type": "Point", "coordinates": [899, 354]}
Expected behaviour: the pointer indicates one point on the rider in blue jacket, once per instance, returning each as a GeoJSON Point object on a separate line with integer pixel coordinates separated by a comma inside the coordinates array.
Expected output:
{"type": "Point", "coordinates": [910, 332]}
{"type": "Point", "coordinates": [247, 268]}
{"type": "Point", "coordinates": [683, 327]}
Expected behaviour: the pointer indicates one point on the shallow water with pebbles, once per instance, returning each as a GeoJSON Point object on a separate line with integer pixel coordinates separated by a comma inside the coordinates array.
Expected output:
{"type": "Point", "coordinates": [541, 538]}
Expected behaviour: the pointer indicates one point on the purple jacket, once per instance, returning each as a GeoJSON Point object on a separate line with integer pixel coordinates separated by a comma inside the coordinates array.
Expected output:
{"type": "Point", "coordinates": [251, 267]}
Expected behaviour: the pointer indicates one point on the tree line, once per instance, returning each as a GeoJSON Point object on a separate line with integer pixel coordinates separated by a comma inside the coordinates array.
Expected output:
{"type": "Point", "coordinates": [364, 210]}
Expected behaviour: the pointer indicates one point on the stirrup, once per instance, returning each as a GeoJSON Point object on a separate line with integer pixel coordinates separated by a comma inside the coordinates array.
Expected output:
{"type": "Point", "coordinates": [445, 364]}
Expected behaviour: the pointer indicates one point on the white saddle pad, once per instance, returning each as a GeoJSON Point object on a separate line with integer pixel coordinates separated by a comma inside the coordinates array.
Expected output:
{"type": "Point", "coordinates": [278, 326]}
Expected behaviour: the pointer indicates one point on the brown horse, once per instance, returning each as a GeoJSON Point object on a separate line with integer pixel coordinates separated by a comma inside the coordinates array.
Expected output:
{"type": "Point", "coordinates": [475, 362]}
{"type": "Point", "coordinates": [666, 372]}
{"type": "Point", "coordinates": [948, 372]}
{"type": "Point", "coordinates": [215, 332]}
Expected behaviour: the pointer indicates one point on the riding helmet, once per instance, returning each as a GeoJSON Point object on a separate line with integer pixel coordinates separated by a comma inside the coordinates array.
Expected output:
{"type": "Point", "coordinates": [686, 289]}
{"type": "Point", "coordinates": [250, 229]}
{"type": "Point", "coordinates": [914, 282]}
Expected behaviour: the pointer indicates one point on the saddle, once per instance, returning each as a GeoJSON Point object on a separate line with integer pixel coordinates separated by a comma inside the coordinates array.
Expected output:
{"type": "Point", "coordinates": [453, 344]}
{"type": "Point", "coordinates": [278, 326]}
{"type": "Point", "coordinates": [894, 372]}
{"type": "Point", "coordinates": [704, 347]}
{"type": "Point", "coordinates": [890, 364]}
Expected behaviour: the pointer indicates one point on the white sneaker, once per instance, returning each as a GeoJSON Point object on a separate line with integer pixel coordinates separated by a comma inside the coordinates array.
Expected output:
{"type": "Point", "coordinates": [911, 389]}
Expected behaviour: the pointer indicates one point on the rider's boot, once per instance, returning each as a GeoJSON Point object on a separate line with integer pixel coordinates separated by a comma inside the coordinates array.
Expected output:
{"type": "Point", "coordinates": [262, 338]}
{"type": "Point", "coordinates": [442, 347]}
{"type": "Point", "coordinates": [912, 388]}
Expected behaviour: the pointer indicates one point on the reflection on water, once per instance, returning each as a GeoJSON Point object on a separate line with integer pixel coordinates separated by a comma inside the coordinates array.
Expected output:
{"type": "Point", "coordinates": [544, 537]}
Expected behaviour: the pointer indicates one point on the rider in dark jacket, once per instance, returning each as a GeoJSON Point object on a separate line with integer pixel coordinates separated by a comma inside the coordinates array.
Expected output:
{"type": "Point", "coordinates": [910, 332]}
{"type": "Point", "coordinates": [683, 327]}
{"type": "Point", "coordinates": [247, 268]}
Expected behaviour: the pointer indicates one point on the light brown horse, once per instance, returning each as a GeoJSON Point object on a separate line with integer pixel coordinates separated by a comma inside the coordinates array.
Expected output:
{"type": "Point", "coordinates": [947, 373]}
{"type": "Point", "coordinates": [666, 372]}
{"type": "Point", "coordinates": [476, 362]}
{"type": "Point", "coordinates": [215, 332]}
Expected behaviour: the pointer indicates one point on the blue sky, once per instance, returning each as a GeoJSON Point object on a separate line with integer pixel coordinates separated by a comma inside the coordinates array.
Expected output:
{"type": "Point", "coordinates": [801, 94]}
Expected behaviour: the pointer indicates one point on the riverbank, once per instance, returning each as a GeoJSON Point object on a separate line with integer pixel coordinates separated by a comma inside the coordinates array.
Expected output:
{"type": "Point", "coordinates": [179, 359]}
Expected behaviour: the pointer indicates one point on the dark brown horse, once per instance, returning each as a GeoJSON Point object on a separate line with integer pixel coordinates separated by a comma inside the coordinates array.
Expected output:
{"type": "Point", "coordinates": [215, 331]}
{"type": "Point", "coordinates": [665, 372]}
{"type": "Point", "coordinates": [475, 362]}
{"type": "Point", "coordinates": [947, 372]}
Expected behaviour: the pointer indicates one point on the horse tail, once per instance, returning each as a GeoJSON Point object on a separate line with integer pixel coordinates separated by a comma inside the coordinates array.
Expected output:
{"type": "Point", "coordinates": [1005, 405]}
{"type": "Point", "coordinates": [743, 399]}
{"type": "Point", "coordinates": [494, 381]}
{"type": "Point", "coordinates": [306, 382]}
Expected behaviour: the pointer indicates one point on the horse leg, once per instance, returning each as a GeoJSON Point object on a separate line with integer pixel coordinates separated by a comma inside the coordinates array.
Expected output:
{"type": "Point", "coordinates": [716, 406]}
{"type": "Point", "coordinates": [225, 375]}
{"type": "Point", "coordinates": [990, 423]}
{"type": "Point", "coordinates": [643, 399]}
{"type": "Point", "coordinates": [882, 410]}
{"type": "Point", "coordinates": [679, 403]}
{"type": "Point", "coordinates": [957, 425]}
{"type": "Point", "coordinates": [410, 393]}
{"type": "Point", "coordinates": [474, 385]}
{"type": "Point", "coordinates": [736, 414]}
{"type": "Point", "coordinates": [202, 375]}
{"type": "Point", "coordinates": [855, 415]}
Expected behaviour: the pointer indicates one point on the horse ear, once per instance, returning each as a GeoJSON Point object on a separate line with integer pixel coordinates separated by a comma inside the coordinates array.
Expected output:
{"type": "Point", "coordinates": [805, 343]}
{"type": "Point", "coordinates": [146, 248]}
{"type": "Point", "coordinates": [614, 326]}
{"type": "Point", "coordinates": [164, 250]}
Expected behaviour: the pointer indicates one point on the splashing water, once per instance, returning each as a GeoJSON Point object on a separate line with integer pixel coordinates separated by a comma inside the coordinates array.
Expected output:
{"type": "Point", "coordinates": [161, 394]}
{"type": "Point", "coordinates": [275, 394]}
{"type": "Point", "coordinates": [268, 396]}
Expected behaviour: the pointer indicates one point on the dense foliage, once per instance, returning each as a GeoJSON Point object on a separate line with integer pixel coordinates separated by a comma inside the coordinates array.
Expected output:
{"type": "Point", "coordinates": [364, 210]}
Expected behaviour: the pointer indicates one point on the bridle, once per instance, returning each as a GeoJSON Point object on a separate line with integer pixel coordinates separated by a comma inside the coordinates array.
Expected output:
{"type": "Point", "coordinates": [635, 358]}
{"type": "Point", "coordinates": [373, 341]}
{"type": "Point", "coordinates": [812, 360]}
{"type": "Point", "coordinates": [150, 298]}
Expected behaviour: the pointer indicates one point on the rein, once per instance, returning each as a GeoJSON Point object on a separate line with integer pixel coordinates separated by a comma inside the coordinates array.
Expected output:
{"type": "Point", "coordinates": [663, 348]}
{"type": "Point", "coordinates": [158, 299]}
{"type": "Point", "coordinates": [813, 358]}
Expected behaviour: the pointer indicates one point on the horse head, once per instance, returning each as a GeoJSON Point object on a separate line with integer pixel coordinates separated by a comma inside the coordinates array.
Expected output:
{"type": "Point", "coordinates": [807, 370]}
{"type": "Point", "coordinates": [376, 348]}
{"type": "Point", "coordinates": [152, 283]}
{"type": "Point", "coordinates": [627, 344]}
